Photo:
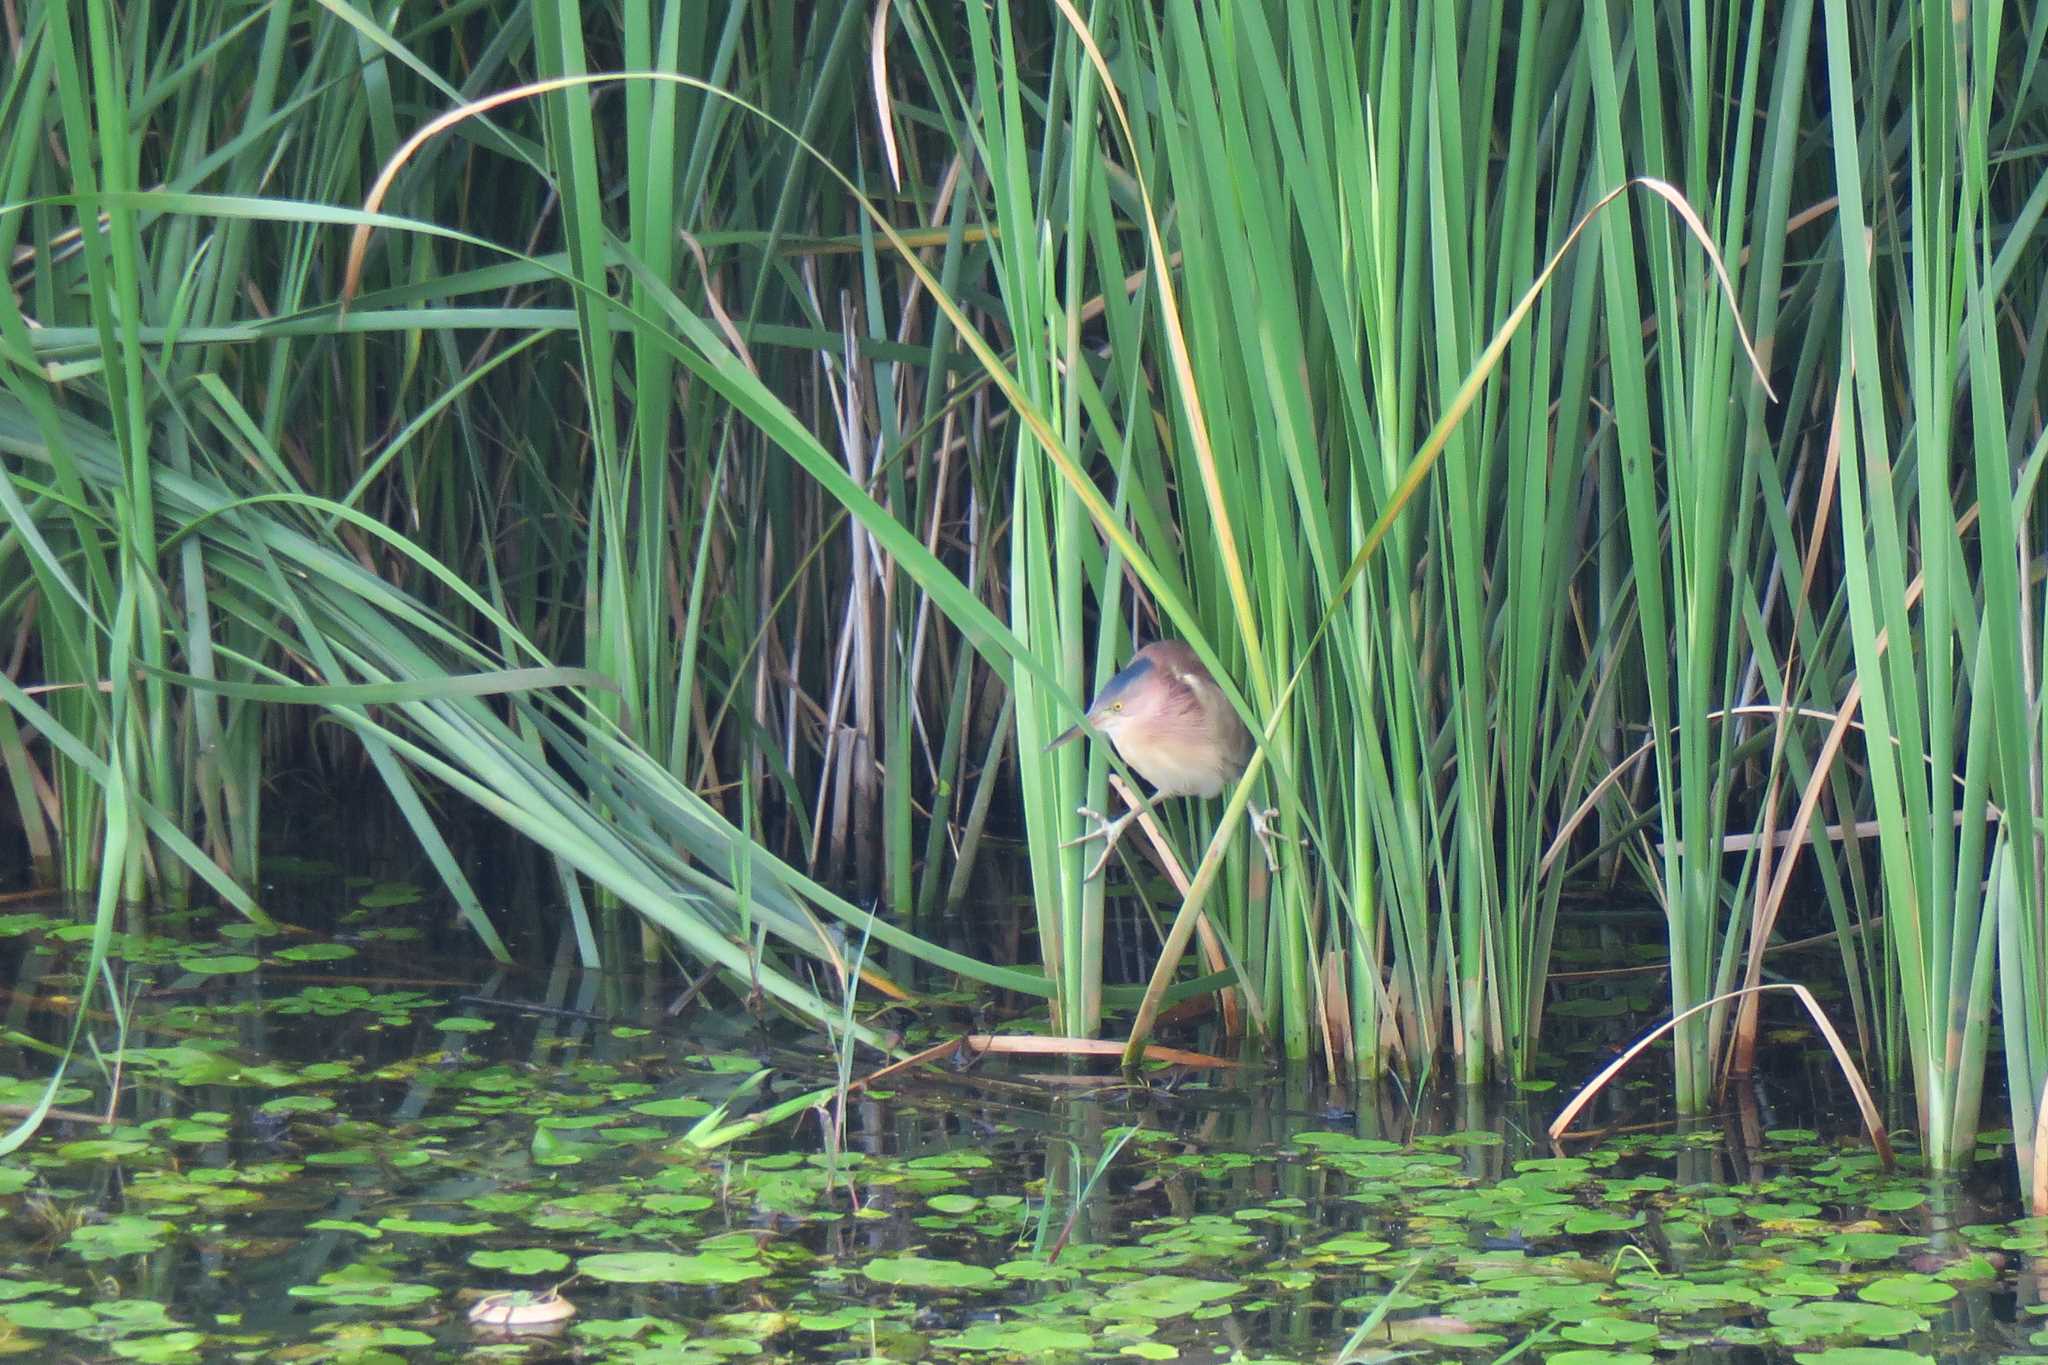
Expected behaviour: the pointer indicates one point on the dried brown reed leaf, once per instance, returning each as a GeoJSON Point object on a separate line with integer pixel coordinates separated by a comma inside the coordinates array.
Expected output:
{"type": "Point", "coordinates": [885, 113]}
{"type": "Point", "coordinates": [1872, 1124]}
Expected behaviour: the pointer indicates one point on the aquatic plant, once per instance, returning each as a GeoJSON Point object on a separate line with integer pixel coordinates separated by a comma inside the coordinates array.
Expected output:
{"type": "Point", "coordinates": [724, 450]}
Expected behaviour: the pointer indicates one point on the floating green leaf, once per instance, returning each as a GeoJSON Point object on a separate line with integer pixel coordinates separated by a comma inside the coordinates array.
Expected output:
{"type": "Point", "coordinates": [521, 1260]}
{"type": "Point", "coordinates": [667, 1267]}
{"type": "Point", "coordinates": [430, 1227]}
{"type": "Point", "coordinates": [221, 964]}
{"type": "Point", "coordinates": [1907, 1291]}
{"type": "Point", "coordinates": [101, 1149]}
{"type": "Point", "coordinates": [363, 1286]}
{"type": "Point", "coordinates": [1607, 1331]}
{"type": "Point", "coordinates": [918, 1272]}
{"type": "Point", "coordinates": [121, 1235]}
{"type": "Point", "coordinates": [1840, 1318]}
{"type": "Point", "coordinates": [35, 1315]}
{"type": "Point", "coordinates": [171, 1346]}
{"type": "Point", "coordinates": [317, 952]}
{"type": "Point", "coordinates": [1866, 1246]}
{"type": "Point", "coordinates": [1896, 1201]}
{"type": "Point", "coordinates": [344, 1225]}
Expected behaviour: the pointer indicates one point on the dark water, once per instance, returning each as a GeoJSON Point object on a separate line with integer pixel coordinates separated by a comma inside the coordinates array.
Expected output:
{"type": "Point", "coordinates": [329, 1149]}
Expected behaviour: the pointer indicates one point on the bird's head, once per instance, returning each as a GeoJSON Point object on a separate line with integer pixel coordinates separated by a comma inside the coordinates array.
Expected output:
{"type": "Point", "coordinates": [1130, 697]}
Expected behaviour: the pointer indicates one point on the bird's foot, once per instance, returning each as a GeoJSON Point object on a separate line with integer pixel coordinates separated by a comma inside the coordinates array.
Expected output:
{"type": "Point", "coordinates": [1107, 830]}
{"type": "Point", "coordinates": [1262, 825]}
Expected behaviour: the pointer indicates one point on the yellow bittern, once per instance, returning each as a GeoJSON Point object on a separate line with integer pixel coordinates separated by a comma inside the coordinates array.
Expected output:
{"type": "Point", "coordinates": [1173, 725]}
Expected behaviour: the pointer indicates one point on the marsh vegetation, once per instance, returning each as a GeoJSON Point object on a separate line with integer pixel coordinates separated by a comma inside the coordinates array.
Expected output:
{"type": "Point", "coordinates": [723, 443]}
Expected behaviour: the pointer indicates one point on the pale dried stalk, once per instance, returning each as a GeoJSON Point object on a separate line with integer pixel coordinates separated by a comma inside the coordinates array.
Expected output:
{"type": "Point", "coordinates": [1212, 943]}
{"type": "Point", "coordinates": [1872, 1124]}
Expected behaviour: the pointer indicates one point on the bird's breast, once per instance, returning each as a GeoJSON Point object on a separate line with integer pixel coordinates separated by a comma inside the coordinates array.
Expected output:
{"type": "Point", "coordinates": [1177, 767]}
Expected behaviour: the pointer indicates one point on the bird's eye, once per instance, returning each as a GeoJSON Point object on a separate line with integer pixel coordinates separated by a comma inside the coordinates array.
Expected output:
{"type": "Point", "coordinates": [1116, 706]}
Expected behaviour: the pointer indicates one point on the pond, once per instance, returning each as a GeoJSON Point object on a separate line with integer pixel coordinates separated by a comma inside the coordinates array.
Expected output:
{"type": "Point", "coordinates": [333, 1150]}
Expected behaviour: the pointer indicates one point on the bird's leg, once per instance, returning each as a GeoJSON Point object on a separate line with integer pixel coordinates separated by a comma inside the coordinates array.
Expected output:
{"type": "Point", "coordinates": [1262, 825]}
{"type": "Point", "coordinates": [1107, 830]}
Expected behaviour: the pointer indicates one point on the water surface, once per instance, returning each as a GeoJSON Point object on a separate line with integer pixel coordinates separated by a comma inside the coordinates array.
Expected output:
{"type": "Point", "coordinates": [331, 1149]}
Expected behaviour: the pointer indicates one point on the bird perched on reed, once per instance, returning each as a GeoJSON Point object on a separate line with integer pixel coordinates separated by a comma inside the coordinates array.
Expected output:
{"type": "Point", "coordinates": [1173, 725]}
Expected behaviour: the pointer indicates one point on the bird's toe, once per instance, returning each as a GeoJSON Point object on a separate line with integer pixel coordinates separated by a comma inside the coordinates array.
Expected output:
{"type": "Point", "coordinates": [1262, 826]}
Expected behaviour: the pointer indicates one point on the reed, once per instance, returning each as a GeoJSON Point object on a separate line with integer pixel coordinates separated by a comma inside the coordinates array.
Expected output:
{"type": "Point", "coordinates": [728, 450]}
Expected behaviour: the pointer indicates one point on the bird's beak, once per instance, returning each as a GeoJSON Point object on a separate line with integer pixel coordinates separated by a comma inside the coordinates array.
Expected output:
{"type": "Point", "coordinates": [1071, 732]}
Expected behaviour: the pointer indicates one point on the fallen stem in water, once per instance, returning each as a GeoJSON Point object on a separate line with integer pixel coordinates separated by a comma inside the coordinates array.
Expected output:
{"type": "Point", "coordinates": [1872, 1124]}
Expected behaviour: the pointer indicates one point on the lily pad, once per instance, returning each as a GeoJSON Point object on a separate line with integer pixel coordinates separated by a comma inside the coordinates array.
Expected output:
{"type": "Point", "coordinates": [668, 1267]}
{"type": "Point", "coordinates": [1018, 1339]}
{"type": "Point", "coordinates": [317, 952]}
{"type": "Point", "coordinates": [433, 1227]}
{"type": "Point", "coordinates": [1895, 1201]}
{"type": "Point", "coordinates": [1841, 1318]}
{"type": "Point", "coordinates": [221, 964]}
{"type": "Point", "coordinates": [363, 1286]}
{"type": "Point", "coordinates": [167, 1347]}
{"type": "Point", "coordinates": [521, 1260]}
{"type": "Point", "coordinates": [123, 1235]}
{"type": "Point", "coordinates": [1605, 1331]}
{"type": "Point", "coordinates": [917, 1272]}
